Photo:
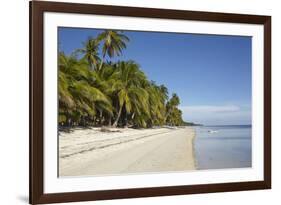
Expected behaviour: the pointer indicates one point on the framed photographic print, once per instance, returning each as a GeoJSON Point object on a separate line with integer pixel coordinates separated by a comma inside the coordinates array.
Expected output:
{"type": "Point", "coordinates": [139, 102]}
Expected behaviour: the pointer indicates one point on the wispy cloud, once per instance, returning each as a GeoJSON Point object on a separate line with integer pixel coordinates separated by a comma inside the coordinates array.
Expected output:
{"type": "Point", "coordinates": [218, 114]}
{"type": "Point", "coordinates": [210, 108]}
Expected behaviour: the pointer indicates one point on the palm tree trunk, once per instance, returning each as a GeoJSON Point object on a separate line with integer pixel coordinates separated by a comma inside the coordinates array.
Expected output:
{"type": "Point", "coordinates": [109, 121]}
{"type": "Point", "coordinates": [101, 64]}
{"type": "Point", "coordinates": [118, 116]}
{"type": "Point", "coordinates": [101, 117]}
{"type": "Point", "coordinates": [84, 121]}
{"type": "Point", "coordinates": [126, 120]}
{"type": "Point", "coordinates": [68, 120]}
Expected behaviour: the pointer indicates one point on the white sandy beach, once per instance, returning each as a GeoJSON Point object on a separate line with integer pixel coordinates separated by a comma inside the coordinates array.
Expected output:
{"type": "Point", "coordinates": [85, 152]}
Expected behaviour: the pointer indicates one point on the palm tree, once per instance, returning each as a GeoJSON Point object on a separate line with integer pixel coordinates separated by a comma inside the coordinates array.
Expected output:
{"type": "Point", "coordinates": [103, 81]}
{"type": "Point", "coordinates": [113, 43]}
{"type": "Point", "coordinates": [90, 52]}
{"type": "Point", "coordinates": [156, 105]}
{"type": "Point", "coordinates": [77, 95]}
{"type": "Point", "coordinates": [172, 114]}
{"type": "Point", "coordinates": [126, 84]}
{"type": "Point", "coordinates": [164, 92]}
{"type": "Point", "coordinates": [66, 101]}
{"type": "Point", "coordinates": [173, 102]}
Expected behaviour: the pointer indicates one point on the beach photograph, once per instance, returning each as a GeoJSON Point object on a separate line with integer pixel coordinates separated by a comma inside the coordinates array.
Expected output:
{"type": "Point", "coordinates": [142, 102]}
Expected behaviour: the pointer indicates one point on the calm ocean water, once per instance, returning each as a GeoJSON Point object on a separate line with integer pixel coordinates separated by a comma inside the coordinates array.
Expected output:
{"type": "Point", "coordinates": [218, 147]}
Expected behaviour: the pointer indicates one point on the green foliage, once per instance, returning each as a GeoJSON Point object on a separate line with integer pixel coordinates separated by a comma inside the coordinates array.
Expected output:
{"type": "Point", "coordinates": [174, 115]}
{"type": "Point", "coordinates": [92, 92]}
{"type": "Point", "coordinates": [113, 43]}
{"type": "Point", "coordinates": [90, 52]}
{"type": "Point", "coordinates": [78, 99]}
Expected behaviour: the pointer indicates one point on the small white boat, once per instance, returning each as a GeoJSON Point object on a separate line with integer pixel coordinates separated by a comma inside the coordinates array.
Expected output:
{"type": "Point", "coordinates": [212, 131]}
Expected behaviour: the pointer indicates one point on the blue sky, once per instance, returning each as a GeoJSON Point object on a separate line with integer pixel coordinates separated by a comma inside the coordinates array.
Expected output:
{"type": "Point", "coordinates": [210, 73]}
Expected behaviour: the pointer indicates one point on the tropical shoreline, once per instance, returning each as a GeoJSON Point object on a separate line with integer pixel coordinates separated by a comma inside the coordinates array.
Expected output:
{"type": "Point", "coordinates": [93, 151]}
{"type": "Point", "coordinates": [96, 91]}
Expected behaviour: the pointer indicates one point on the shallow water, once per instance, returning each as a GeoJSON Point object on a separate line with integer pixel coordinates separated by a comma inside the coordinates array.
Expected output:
{"type": "Point", "coordinates": [218, 147]}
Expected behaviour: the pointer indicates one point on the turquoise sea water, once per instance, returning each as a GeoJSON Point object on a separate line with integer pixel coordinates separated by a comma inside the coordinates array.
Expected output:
{"type": "Point", "coordinates": [218, 147]}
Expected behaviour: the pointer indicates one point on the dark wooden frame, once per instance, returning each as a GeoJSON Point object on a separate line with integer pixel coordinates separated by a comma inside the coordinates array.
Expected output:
{"type": "Point", "coordinates": [37, 8]}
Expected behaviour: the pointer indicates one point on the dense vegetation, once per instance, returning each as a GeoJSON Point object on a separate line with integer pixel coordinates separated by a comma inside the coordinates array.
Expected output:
{"type": "Point", "coordinates": [95, 92]}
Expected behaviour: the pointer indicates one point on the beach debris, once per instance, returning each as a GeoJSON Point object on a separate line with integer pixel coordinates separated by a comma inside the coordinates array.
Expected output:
{"type": "Point", "coordinates": [109, 129]}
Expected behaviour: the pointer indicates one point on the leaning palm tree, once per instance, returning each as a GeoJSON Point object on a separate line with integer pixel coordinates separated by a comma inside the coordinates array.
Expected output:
{"type": "Point", "coordinates": [128, 91]}
{"type": "Point", "coordinates": [90, 52]}
{"type": "Point", "coordinates": [113, 43]}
